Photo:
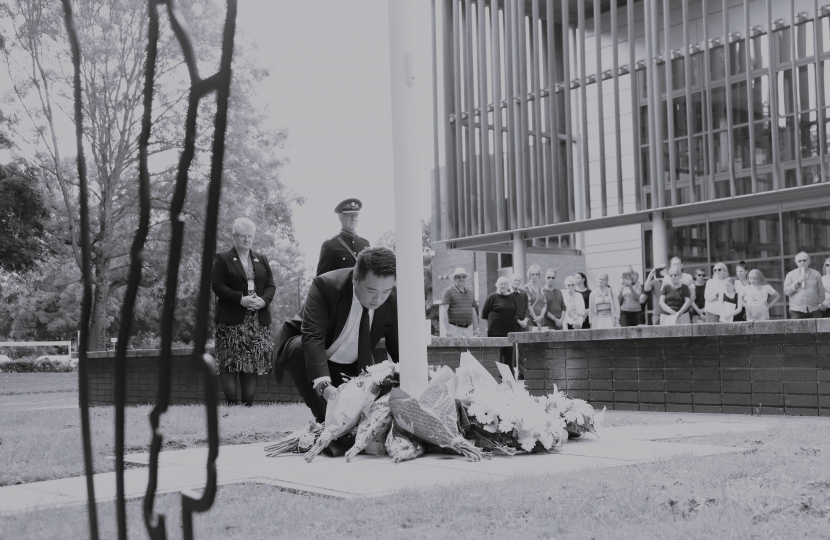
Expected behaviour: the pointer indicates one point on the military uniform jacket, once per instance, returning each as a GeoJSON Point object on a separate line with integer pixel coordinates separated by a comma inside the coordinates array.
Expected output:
{"type": "Point", "coordinates": [334, 256]}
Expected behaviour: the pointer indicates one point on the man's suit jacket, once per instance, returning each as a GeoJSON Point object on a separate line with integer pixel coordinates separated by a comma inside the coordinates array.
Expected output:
{"type": "Point", "coordinates": [333, 256]}
{"type": "Point", "coordinates": [323, 317]}
{"type": "Point", "coordinates": [230, 284]}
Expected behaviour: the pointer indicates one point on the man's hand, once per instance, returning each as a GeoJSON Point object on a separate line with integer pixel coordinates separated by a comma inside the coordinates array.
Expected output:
{"type": "Point", "coordinates": [329, 393]}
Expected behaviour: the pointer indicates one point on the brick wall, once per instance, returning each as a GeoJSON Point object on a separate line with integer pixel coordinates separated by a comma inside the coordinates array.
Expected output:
{"type": "Point", "coordinates": [770, 367]}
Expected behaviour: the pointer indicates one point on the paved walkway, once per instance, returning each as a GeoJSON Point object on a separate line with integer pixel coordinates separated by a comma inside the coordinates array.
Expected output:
{"type": "Point", "coordinates": [47, 400]}
{"type": "Point", "coordinates": [371, 476]}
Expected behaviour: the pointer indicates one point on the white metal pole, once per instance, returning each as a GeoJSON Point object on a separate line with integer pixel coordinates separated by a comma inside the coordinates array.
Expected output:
{"type": "Point", "coordinates": [410, 268]}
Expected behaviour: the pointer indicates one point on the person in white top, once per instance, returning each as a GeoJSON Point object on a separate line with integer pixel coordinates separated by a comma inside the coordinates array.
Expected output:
{"type": "Point", "coordinates": [758, 297]}
{"type": "Point", "coordinates": [574, 305]}
{"type": "Point", "coordinates": [741, 282]}
{"type": "Point", "coordinates": [603, 306]}
{"type": "Point", "coordinates": [825, 279]}
{"type": "Point", "coordinates": [713, 294]}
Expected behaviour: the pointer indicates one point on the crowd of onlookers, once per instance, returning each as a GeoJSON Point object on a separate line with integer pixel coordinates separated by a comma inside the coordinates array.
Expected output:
{"type": "Point", "coordinates": [676, 298]}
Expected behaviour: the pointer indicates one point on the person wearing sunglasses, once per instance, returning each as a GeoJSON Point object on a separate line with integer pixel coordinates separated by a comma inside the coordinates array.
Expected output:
{"type": "Point", "coordinates": [805, 288]}
{"type": "Point", "coordinates": [714, 292]}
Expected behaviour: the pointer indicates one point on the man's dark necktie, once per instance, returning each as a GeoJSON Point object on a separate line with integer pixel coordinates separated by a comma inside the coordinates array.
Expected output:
{"type": "Point", "coordinates": [364, 342]}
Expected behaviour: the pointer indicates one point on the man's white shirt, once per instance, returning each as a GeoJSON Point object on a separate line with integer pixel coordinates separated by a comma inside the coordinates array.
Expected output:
{"type": "Point", "coordinates": [344, 349]}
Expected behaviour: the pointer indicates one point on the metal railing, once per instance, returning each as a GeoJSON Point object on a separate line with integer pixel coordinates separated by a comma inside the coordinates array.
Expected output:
{"type": "Point", "coordinates": [200, 87]}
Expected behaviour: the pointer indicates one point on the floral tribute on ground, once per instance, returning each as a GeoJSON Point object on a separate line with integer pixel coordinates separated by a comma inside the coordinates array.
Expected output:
{"type": "Point", "coordinates": [466, 412]}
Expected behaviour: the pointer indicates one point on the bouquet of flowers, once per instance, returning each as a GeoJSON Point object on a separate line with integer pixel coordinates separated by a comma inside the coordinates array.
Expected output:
{"type": "Point", "coordinates": [298, 441]}
{"type": "Point", "coordinates": [431, 416]}
{"type": "Point", "coordinates": [344, 411]}
{"type": "Point", "coordinates": [377, 419]}
{"type": "Point", "coordinates": [578, 414]}
{"type": "Point", "coordinates": [400, 446]}
{"type": "Point", "coordinates": [506, 415]}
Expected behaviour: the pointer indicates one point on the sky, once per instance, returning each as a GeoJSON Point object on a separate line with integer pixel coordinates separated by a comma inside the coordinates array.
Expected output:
{"type": "Point", "coordinates": [329, 86]}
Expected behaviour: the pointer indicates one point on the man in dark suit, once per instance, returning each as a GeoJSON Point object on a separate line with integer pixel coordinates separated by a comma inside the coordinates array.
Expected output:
{"type": "Point", "coordinates": [346, 313]}
{"type": "Point", "coordinates": [341, 251]}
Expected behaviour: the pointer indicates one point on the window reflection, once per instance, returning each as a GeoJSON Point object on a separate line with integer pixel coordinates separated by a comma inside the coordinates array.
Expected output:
{"type": "Point", "coordinates": [745, 238]}
{"type": "Point", "coordinates": [763, 143]}
{"type": "Point", "coordinates": [806, 87]}
{"type": "Point", "coordinates": [740, 111]}
{"type": "Point", "coordinates": [804, 40]}
{"type": "Point", "coordinates": [807, 230]}
{"type": "Point", "coordinates": [760, 97]}
{"type": "Point", "coordinates": [808, 134]}
{"type": "Point", "coordinates": [716, 63]}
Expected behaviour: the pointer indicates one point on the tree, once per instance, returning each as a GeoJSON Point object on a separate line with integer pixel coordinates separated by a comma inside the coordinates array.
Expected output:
{"type": "Point", "coordinates": [23, 217]}
{"type": "Point", "coordinates": [113, 36]}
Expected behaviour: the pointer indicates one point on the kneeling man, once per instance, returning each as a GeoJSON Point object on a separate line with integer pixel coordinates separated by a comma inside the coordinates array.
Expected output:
{"type": "Point", "coordinates": [346, 313]}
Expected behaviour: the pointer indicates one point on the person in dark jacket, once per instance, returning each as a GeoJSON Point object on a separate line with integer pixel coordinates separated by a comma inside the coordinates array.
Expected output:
{"type": "Point", "coordinates": [341, 251]}
{"type": "Point", "coordinates": [499, 311]}
{"type": "Point", "coordinates": [244, 287]}
{"type": "Point", "coordinates": [346, 313]}
{"type": "Point", "coordinates": [520, 295]}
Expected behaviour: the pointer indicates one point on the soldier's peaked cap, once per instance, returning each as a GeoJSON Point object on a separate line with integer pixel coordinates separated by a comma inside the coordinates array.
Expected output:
{"type": "Point", "coordinates": [349, 206]}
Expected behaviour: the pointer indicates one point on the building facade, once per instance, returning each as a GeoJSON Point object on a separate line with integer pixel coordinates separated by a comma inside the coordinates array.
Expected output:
{"type": "Point", "coordinates": [641, 130]}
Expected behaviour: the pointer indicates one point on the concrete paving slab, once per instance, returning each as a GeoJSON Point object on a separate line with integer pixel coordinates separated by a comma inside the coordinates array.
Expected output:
{"type": "Point", "coordinates": [373, 476]}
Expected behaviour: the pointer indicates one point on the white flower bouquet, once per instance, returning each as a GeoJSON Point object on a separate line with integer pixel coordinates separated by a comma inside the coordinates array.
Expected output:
{"type": "Point", "coordinates": [578, 414]}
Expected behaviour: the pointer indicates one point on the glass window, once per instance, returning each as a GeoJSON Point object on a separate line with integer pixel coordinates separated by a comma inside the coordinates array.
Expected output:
{"type": "Point", "coordinates": [807, 230]}
{"type": "Point", "coordinates": [740, 111]}
{"type": "Point", "coordinates": [644, 125]}
{"type": "Point", "coordinates": [689, 243]}
{"type": "Point", "coordinates": [678, 72]}
{"type": "Point", "coordinates": [825, 68]}
{"type": "Point", "coordinates": [741, 154]}
{"type": "Point", "coordinates": [810, 175]}
{"type": "Point", "coordinates": [785, 92]}
{"type": "Point", "coordinates": [642, 84]}
{"type": "Point", "coordinates": [806, 87]}
{"type": "Point", "coordinates": [782, 44]}
{"type": "Point", "coordinates": [681, 157]}
{"type": "Point", "coordinates": [700, 147]}
{"type": "Point", "coordinates": [743, 185]}
{"type": "Point", "coordinates": [644, 166]}
{"type": "Point", "coordinates": [719, 108]}
{"type": "Point", "coordinates": [825, 34]}
{"type": "Point", "coordinates": [763, 143]}
{"type": "Point", "coordinates": [721, 151]}
{"type": "Point", "coordinates": [759, 52]}
{"type": "Point", "coordinates": [737, 57]}
{"type": "Point", "coordinates": [722, 188]}
{"type": "Point", "coordinates": [808, 134]}
{"type": "Point", "coordinates": [760, 97]}
{"type": "Point", "coordinates": [697, 63]}
{"type": "Point", "coordinates": [804, 40]}
{"type": "Point", "coordinates": [716, 63]}
{"type": "Point", "coordinates": [786, 139]}
{"type": "Point", "coordinates": [755, 237]}
{"type": "Point", "coordinates": [698, 111]}
{"type": "Point", "coordinates": [764, 182]}
{"type": "Point", "coordinates": [680, 117]}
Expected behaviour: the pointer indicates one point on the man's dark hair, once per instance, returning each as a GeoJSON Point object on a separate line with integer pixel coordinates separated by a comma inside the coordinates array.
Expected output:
{"type": "Point", "coordinates": [378, 260]}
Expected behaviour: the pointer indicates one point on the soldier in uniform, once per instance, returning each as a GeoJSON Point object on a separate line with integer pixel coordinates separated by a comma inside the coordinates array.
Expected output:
{"type": "Point", "coordinates": [341, 251]}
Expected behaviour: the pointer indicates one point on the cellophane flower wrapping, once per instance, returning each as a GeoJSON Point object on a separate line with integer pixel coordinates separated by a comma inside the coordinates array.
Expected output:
{"type": "Point", "coordinates": [431, 416]}
{"type": "Point", "coordinates": [376, 421]}
{"type": "Point", "coordinates": [400, 446]}
{"type": "Point", "coordinates": [578, 414]}
{"type": "Point", "coordinates": [343, 412]}
{"type": "Point", "coordinates": [506, 413]}
{"type": "Point", "coordinates": [298, 441]}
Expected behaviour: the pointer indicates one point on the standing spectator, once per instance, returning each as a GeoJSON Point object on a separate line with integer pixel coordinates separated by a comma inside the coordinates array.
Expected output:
{"type": "Point", "coordinates": [603, 306]}
{"type": "Point", "coordinates": [521, 302]}
{"type": "Point", "coordinates": [825, 280]}
{"type": "Point", "coordinates": [554, 317]}
{"type": "Point", "coordinates": [741, 282]}
{"type": "Point", "coordinates": [629, 296]}
{"type": "Point", "coordinates": [499, 310]}
{"type": "Point", "coordinates": [758, 297]}
{"type": "Point", "coordinates": [653, 285]}
{"type": "Point", "coordinates": [805, 288]}
{"type": "Point", "coordinates": [713, 294]}
{"type": "Point", "coordinates": [675, 299]}
{"type": "Point", "coordinates": [697, 310]}
{"type": "Point", "coordinates": [459, 311]}
{"type": "Point", "coordinates": [575, 305]}
{"type": "Point", "coordinates": [732, 302]}
{"type": "Point", "coordinates": [685, 278]}
{"type": "Point", "coordinates": [582, 288]}
{"type": "Point", "coordinates": [536, 302]}
{"type": "Point", "coordinates": [244, 287]}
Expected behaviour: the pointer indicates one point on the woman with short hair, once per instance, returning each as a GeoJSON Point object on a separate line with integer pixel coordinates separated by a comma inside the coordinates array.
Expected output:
{"type": "Point", "coordinates": [499, 310]}
{"type": "Point", "coordinates": [675, 299]}
{"type": "Point", "coordinates": [537, 304]}
{"type": "Point", "coordinates": [244, 287]}
{"type": "Point", "coordinates": [603, 307]}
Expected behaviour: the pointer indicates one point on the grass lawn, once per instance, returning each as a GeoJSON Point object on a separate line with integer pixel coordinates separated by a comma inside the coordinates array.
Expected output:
{"type": "Point", "coordinates": [780, 489]}
{"type": "Point", "coordinates": [12, 384]}
{"type": "Point", "coordinates": [46, 444]}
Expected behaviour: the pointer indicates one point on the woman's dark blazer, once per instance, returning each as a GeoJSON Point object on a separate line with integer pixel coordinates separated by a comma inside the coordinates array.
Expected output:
{"type": "Point", "coordinates": [230, 284]}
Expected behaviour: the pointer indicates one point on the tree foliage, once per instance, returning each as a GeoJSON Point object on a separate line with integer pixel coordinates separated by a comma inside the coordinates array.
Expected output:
{"type": "Point", "coordinates": [23, 216]}
{"type": "Point", "coordinates": [113, 36]}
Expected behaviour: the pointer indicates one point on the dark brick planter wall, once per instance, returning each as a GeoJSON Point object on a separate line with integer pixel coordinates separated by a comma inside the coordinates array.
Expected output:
{"type": "Point", "coordinates": [770, 367]}
{"type": "Point", "coordinates": [188, 388]}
